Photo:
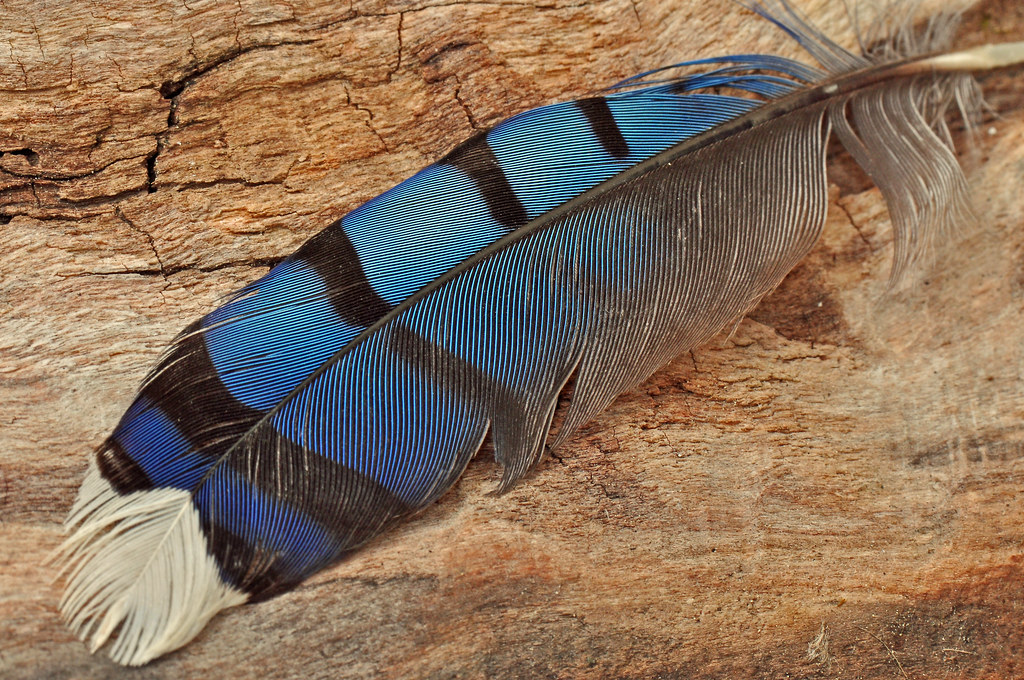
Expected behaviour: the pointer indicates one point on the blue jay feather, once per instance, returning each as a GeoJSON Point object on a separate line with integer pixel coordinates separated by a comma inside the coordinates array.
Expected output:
{"type": "Point", "coordinates": [591, 240]}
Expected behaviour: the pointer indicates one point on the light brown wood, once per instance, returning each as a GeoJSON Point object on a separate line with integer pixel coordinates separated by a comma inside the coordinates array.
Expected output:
{"type": "Point", "coordinates": [833, 490]}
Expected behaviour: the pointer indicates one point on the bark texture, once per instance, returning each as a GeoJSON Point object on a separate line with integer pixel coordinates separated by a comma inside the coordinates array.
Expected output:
{"type": "Point", "coordinates": [831, 491]}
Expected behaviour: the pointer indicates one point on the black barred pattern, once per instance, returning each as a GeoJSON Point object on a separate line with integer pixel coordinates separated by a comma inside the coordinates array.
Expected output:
{"type": "Point", "coordinates": [604, 127]}
{"type": "Point", "coordinates": [334, 258]}
{"type": "Point", "coordinates": [193, 397]}
{"type": "Point", "coordinates": [433, 361]}
{"type": "Point", "coordinates": [475, 158]}
{"type": "Point", "coordinates": [507, 408]}
{"type": "Point", "coordinates": [349, 506]}
{"type": "Point", "coordinates": [124, 474]}
{"type": "Point", "coordinates": [243, 565]}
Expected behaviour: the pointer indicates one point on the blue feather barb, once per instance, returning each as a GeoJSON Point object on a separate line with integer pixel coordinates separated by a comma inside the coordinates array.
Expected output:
{"type": "Point", "coordinates": [591, 240]}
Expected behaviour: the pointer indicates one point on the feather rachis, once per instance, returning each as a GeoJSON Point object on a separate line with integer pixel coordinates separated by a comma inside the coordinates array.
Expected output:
{"type": "Point", "coordinates": [271, 452]}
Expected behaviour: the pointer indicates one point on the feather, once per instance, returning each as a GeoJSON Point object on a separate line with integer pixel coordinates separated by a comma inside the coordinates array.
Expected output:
{"type": "Point", "coordinates": [592, 240]}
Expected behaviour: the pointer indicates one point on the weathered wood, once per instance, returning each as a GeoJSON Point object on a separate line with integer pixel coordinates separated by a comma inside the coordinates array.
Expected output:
{"type": "Point", "coordinates": [833, 490]}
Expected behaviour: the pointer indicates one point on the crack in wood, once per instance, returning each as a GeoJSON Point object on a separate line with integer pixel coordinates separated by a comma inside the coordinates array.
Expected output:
{"type": "Point", "coordinates": [167, 271]}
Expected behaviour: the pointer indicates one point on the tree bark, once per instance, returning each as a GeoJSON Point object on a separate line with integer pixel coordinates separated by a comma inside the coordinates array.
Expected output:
{"type": "Point", "coordinates": [831, 489]}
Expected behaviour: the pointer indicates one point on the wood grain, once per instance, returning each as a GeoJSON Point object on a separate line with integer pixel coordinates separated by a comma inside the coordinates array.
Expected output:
{"type": "Point", "coordinates": [831, 491]}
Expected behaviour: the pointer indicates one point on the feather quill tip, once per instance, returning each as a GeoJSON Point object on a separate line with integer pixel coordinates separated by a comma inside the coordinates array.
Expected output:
{"type": "Point", "coordinates": [156, 597]}
{"type": "Point", "coordinates": [981, 58]}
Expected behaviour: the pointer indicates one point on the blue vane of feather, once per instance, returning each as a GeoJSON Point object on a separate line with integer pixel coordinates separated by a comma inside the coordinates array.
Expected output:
{"type": "Point", "coordinates": [591, 240]}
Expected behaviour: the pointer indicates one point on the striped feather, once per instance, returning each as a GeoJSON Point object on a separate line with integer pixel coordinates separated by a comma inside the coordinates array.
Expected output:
{"type": "Point", "coordinates": [591, 240]}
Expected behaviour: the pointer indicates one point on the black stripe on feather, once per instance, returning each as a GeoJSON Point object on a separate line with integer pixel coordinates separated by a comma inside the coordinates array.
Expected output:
{"type": "Point", "coordinates": [463, 378]}
{"type": "Point", "coordinates": [434, 362]}
{"type": "Point", "coordinates": [475, 158]}
{"type": "Point", "coordinates": [311, 484]}
{"type": "Point", "coordinates": [117, 467]}
{"type": "Point", "coordinates": [243, 565]}
{"type": "Point", "coordinates": [194, 398]}
{"type": "Point", "coordinates": [350, 293]}
{"type": "Point", "coordinates": [604, 127]}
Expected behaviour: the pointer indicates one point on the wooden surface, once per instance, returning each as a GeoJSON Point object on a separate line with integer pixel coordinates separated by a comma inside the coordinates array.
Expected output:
{"type": "Point", "coordinates": [833, 491]}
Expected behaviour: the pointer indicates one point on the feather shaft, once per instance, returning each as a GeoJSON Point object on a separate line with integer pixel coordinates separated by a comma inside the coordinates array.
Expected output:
{"type": "Point", "coordinates": [983, 58]}
{"type": "Point", "coordinates": [987, 57]}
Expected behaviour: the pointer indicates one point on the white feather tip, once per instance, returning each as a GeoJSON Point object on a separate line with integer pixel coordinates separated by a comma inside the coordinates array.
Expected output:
{"type": "Point", "coordinates": [137, 564]}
